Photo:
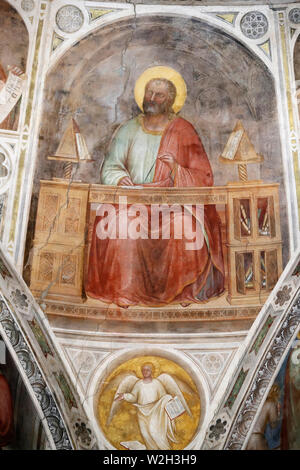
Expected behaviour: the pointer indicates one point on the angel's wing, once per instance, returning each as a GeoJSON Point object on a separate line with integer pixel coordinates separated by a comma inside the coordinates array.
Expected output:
{"type": "Point", "coordinates": [173, 385]}
{"type": "Point", "coordinates": [125, 383]}
{"type": "Point", "coordinates": [184, 386]}
{"type": "Point", "coordinates": [115, 382]}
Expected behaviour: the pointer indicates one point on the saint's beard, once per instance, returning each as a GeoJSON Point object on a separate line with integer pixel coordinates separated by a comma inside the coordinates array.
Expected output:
{"type": "Point", "coordinates": [153, 109]}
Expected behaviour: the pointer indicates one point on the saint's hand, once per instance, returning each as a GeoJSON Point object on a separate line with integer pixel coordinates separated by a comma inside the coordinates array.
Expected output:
{"type": "Point", "coordinates": [126, 181]}
{"type": "Point", "coordinates": [168, 159]}
{"type": "Point", "coordinates": [119, 397]}
{"type": "Point", "coordinates": [15, 70]}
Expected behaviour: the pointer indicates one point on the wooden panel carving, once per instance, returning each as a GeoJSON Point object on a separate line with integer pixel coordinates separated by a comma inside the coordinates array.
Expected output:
{"type": "Point", "coordinates": [48, 220]}
{"type": "Point", "coordinates": [72, 217]}
{"type": "Point", "coordinates": [68, 270]}
{"type": "Point", "coordinates": [46, 266]}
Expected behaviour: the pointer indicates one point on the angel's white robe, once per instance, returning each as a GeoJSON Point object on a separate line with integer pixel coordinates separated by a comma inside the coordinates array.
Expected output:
{"type": "Point", "coordinates": [155, 425]}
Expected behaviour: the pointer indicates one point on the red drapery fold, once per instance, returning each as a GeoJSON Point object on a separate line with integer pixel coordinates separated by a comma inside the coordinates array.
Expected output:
{"type": "Point", "coordinates": [157, 272]}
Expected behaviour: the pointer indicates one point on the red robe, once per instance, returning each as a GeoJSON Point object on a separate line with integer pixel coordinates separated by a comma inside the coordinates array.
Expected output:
{"type": "Point", "coordinates": [6, 413]}
{"type": "Point", "coordinates": [157, 272]}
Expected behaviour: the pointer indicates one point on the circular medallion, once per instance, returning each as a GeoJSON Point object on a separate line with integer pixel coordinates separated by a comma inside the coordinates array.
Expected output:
{"type": "Point", "coordinates": [213, 363]}
{"type": "Point", "coordinates": [27, 5]}
{"type": "Point", "coordinates": [149, 402]}
{"type": "Point", "coordinates": [294, 15]}
{"type": "Point", "coordinates": [85, 361]}
{"type": "Point", "coordinates": [69, 19]}
{"type": "Point", "coordinates": [254, 25]}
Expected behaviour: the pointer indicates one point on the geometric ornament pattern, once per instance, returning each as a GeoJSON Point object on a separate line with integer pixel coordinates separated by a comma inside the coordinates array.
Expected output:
{"type": "Point", "coordinates": [254, 25]}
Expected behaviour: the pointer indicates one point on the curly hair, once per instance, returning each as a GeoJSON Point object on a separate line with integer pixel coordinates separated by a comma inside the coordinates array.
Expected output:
{"type": "Point", "coordinates": [172, 92]}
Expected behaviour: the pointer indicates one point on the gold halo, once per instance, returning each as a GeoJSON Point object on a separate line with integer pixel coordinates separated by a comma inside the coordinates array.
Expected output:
{"type": "Point", "coordinates": [161, 71]}
{"type": "Point", "coordinates": [142, 362]}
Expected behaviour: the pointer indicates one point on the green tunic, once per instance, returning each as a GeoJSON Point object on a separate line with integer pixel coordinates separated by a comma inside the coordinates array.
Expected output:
{"type": "Point", "coordinates": [132, 153]}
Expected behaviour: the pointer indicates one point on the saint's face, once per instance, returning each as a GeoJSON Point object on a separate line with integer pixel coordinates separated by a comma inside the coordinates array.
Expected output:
{"type": "Point", "coordinates": [156, 99]}
{"type": "Point", "coordinates": [147, 372]}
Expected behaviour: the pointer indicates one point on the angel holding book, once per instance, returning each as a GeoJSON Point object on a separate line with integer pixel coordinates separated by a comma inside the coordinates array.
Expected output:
{"type": "Point", "coordinates": [158, 401]}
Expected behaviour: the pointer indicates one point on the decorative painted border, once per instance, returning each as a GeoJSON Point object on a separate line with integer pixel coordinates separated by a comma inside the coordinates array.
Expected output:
{"type": "Point", "coordinates": [28, 115]}
{"type": "Point", "coordinates": [149, 315]}
{"type": "Point", "coordinates": [37, 354]}
{"type": "Point", "coordinates": [267, 344]}
{"type": "Point", "coordinates": [35, 378]}
{"type": "Point", "coordinates": [264, 378]}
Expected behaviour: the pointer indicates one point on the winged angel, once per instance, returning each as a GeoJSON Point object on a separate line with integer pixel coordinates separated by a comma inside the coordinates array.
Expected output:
{"type": "Point", "coordinates": [151, 396]}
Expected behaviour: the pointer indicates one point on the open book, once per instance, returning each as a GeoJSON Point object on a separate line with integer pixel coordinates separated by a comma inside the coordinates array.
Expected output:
{"type": "Point", "coordinates": [232, 144]}
{"type": "Point", "coordinates": [133, 445]}
{"type": "Point", "coordinates": [174, 408]}
{"type": "Point", "coordinates": [82, 149]}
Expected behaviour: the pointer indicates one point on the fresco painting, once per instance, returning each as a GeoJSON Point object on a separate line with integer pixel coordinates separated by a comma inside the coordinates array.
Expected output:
{"type": "Point", "coordinates": [169, 280]}
{"type": "Point", "coordinates": [12, 65]}
{"type": "Point", "coordinates": [158, 141]}
{"type": "Point", "coordinates": [278, 424]}
{"type": "Point", "coordinates": [151, 211]}
{"type": "Point", "coordinates": [128, 422]}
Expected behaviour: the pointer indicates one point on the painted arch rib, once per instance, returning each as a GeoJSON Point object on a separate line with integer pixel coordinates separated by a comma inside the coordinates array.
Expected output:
{"type": "Point", "coordinates": [37, 355]}
{"type": "Point", "coordinates": [266, 347]}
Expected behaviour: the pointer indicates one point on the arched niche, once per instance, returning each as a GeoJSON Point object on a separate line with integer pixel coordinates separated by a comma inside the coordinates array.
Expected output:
{"type": "Point", "coordinates": [94, 81]}
{"type": "Point", "coordinates": [14, 43]}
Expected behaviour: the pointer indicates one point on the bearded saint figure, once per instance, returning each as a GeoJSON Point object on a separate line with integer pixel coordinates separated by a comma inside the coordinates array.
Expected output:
{"type": "Point", "coordinates": [157, 149]}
